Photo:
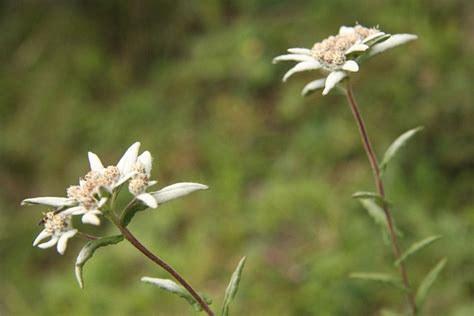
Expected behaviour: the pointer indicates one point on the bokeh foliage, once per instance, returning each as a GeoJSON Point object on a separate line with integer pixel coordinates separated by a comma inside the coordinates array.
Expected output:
{"type": "Point", "coordinates": [193, 81]}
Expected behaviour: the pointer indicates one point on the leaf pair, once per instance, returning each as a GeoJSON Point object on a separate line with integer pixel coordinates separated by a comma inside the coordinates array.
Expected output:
{"type": "Point", "coordinates": [172, 287]}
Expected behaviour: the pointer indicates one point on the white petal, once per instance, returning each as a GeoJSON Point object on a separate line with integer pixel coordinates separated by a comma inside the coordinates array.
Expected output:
{"type": "Point", "coordinates": [151, 183]}
{"type": "Point", "coordinates": [44, 234]}
{"type": "Point", "coordinates": [372, 37]}
{"type": "Point", "coordinates": [124, 179]}
{"type": "Point", "coordinates": [94, 161]}
{"type": "Point", "coordinates": [350, 65]}
{"type": "Point", "coordinates": [50, 201]}
{"type": "Point", "coordinates": [292, 57]}
{"type": "Point", "coordinates": [91, 218]}
{"type": "Point", "coordinates": [148, 199]}
{"type": "Point", "coordinates": [357, 48]}
{"type": "Point", "coordinates": [300, 51]}
{"type": "Point", "coordinates": [302, 66]}
{"type": "Point", "coordinates": [177, 190]}
{"type": "Point", "coordinates": [145, 159]}
{"type": "Point", "coordinates": [333, 79]}
{"type": "Point", "coordinates": [345, 30]}
{"type": "Point", "coordinates": [49, 243]}
{"type": "Point", "coordinates": [125, 164]}
{"type": "Point", "coordinates": [313, 85]}
{"type": "Point", "coordinates": [76, 210]}
{"type": "Point", "coordinates": [62, 242]}
{"type": "Point", "coordinates": [394, 40]}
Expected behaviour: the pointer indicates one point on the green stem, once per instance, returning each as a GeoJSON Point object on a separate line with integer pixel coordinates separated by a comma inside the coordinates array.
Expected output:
{"type": "Point", "coordinates": [131, 238]}
{"type": "Point", "coordinates": [380, 189]}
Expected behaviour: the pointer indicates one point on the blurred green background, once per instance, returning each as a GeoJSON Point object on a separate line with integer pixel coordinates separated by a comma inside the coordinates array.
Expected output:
{"type": "Point", "coordinates": [193, 81]}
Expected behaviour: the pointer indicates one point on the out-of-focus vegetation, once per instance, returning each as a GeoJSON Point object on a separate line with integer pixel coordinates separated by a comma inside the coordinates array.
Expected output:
{"type": "Point", "coordinates": [193, 81]}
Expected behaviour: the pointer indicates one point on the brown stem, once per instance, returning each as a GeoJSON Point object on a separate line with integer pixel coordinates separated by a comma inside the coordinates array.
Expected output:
{"type": "Point", "coordinates": [131, 238]}
{"type": "Point", "coordinates": [380, 189]}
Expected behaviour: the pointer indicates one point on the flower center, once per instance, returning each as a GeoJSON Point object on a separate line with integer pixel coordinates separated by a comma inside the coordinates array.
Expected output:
{"type": "Point", "coordinates": [55, 223]}
{"type": "Point", "coordinates": [139, 182]}
{"type": "Point", "coordinates": [363, 31]}
{"type": "Point", "coordinates": [111, 175]}
{"type": "Point", "coordinates": [331, 51]}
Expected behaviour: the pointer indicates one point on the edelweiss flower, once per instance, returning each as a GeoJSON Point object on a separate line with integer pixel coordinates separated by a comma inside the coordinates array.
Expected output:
{"type": "Point", "coordinates": [87, 192]}
{"type": "Point", "coordinates": [140, 180]}
{"type": "Point", "coordinates": [114, 176]}
{"type": "Point", "coordinates": [340, 55]}
{"type": "Point", "coordinates": [58, 227]}
{"type": "Point", "coordinates": [85, 199]}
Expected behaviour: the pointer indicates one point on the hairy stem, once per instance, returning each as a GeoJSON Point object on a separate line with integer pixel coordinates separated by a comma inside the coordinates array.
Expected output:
{"type": "Point", "coordinates": [86, 236]}
{"type": "Point", "coordinates": [380, 189]}
{"type": "Point", "coordinates": [131, 238]}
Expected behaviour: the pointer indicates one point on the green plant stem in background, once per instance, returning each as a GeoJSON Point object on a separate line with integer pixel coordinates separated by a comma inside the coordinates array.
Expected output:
{"type": "Point", "coordinates": [380, 189]}
{"type": "Point", "coordinates": [131, 238]}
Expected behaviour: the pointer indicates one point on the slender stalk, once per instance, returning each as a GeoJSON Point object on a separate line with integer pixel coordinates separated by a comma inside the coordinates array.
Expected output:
{"type": "Point", "coordinates": [380, 189]}
{"type": "Point", "coordinates": [131, 238]}
{"type": "Point", "coordinates": [86, 236]}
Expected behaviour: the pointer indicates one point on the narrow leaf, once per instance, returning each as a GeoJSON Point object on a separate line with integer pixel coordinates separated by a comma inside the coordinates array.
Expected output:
{"type": "Point", "coordinates": [131, 210]}
{"type": "Point", "coordinates": [172, 287]}
{"type": "Point", "coordinates": [373, 204]}
{"type": "Point", "coordinates": [396, 145]}
{"type": "Point", "coordinates": [232, 287]}
{"type": "Point", "coordinates": [427, 282]}
{"type": "Point", "coordinates": [88, 251]}
{"type": "Point", "coordinates": [417, 247]}
{"type": "Point", "coordinates": [371, 195]}
{"type": "Point", "coordinates": [373, 209]}
{"type": "Point", "coordinates": [379, 277]}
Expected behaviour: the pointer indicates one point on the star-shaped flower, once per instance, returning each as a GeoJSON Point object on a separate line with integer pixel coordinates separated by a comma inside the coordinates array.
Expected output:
{"type": "Point", "coordinates": [340, 55]}
{"type": "Point", "coordinates": [58, 227]}
{"type": "Point", "coordinates": [114, 176]}
{"type": "Point", "coordinates": [140, 181]}
{"type": "Point", "coordinates": [85, 199]}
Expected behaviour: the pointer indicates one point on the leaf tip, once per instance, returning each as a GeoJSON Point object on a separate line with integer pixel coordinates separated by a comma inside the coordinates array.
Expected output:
{"type": "Point", "coordinates": [78, 272]}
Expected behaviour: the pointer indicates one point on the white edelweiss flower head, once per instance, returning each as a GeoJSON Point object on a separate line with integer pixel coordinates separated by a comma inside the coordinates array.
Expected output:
{"type": "Point", "coordinates": [112, 177]}
{"type": "Point", "coordinates": [140, 180]}
{"type": "Point", "coordinates": [58, 227]}
{"type": "Point", "coordinates": [145, 161]}
{"type": "Point", "coordinates": [338, 56]}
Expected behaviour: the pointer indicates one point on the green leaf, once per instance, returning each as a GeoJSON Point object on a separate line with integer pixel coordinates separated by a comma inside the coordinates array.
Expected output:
{"type": "Point", "coordinates": [373, 204]}
{"type": "Point", "coordinates": [232, 287]}
{"type": "Point", "coordinates": [379, 277]}
{"type": "Point", "coordinates": [371, 195]}
{"type": "Point", "coordinates": [417, 247]}
{"type": "Point", "coordinates": [396, 145]}
{"type": "Point", "coordinates": [375, 211]}
{"type": "Point", "coordinates": [427, 282]}
{"type": "Point", "coordinates": [128, 214]}
{"type": "Point", "coordinates": [173, 287]}
{"type": "Point", "coordinates": [88, 251]}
